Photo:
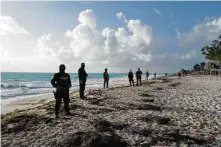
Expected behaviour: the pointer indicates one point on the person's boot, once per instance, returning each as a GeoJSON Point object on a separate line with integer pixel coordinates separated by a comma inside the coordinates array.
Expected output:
{"type": "Point", "coordinates": [68, 113]}
{"type": "Point", "coordinates": [56, 115]}
{"type": "Point", "coordinates": [81, 96]}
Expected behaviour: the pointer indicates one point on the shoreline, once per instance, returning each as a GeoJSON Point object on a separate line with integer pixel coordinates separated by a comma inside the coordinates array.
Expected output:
{"type": "Point", "coordinates": [11, 105]}
{"type": "Point", "coordinates": [27, 102]}
{"type": "Point", "coordinates": [25, 89]}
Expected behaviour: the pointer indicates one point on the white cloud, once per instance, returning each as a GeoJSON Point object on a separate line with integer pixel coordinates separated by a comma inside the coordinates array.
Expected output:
{"type": "Point", "coordinates": [189, 55]}
{"type": "Point", "coordinates": [18, 49]}
{"type": "Point", "coordinates": [87, 17]}
{"type": "Point", "coordinates": [109, 46]}
{"type": "Point", "coordinates": [125, 47]}
{"type": "Point", "coordinates": [42, 43]}
{"type": "Point", "coordinates": [9, 26]}
{"type": "Point", "coordinates": [141, 32]}
{"type": "Point", "coordinates": [157, 11]}
{"type": "Point", "coordinates": [121, 16]}
{"type": "Point", "coordinates": [205, 31]}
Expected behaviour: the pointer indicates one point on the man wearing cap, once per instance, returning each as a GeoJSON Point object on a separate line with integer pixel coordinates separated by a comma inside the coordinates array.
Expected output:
{"type": "Point", "coordinates": [82, 75]}
{"type": "Point", "coordinates": [62, 82]}
{"type": "Point", "coordinates": [106, 78]}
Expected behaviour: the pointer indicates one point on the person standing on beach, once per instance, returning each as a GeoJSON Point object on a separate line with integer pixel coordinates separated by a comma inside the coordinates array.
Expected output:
{"type": "Point", "coordinates": [62, 82]}
{"type": "Point", "coordinates": [138, 76]}
{"type": "Point", "coordinates": [147, 75]}
{"type": "Point", "coordinates": [179, 75]}
{"type": "Point", "coordinates": [106, 78]}
{"type": "Point", "coordinates": [82, 75]}
{"type": "Point", "coordinates": [131, 77]}
{"type": "Point", "coordinates": [155, 75]}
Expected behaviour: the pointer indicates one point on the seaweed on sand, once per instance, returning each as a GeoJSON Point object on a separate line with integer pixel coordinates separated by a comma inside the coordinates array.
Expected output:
{"type": "Point", "coordinates": [49, 107]}
{"type": "Point", "coordinates": [174, 84]}
{"type": "Point", "coordinates": [159, 88]}
{"type": "Point", "coordinates": [145, 94]}
{"type": "Point", "coordinates": [169, 137]}
{"type": "Point", "coordinates": [148, 107]}
{"type": "Point", "coordinates": [147, 100]}
{"type": "Point", "coordinates": [104, 126]}
{"type": "Point", "coordinates": [165, 80]}
{"type": "Point", "coordinates": [92, 139]}
{"type": "Point", "coordinates": [97, 92]}
{"type": "Point", "coordinates": [15, 123]}
{"type": "Point", "coordinates": [159, 119]}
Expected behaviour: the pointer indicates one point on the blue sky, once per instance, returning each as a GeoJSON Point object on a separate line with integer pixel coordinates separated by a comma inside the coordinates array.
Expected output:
{"type": "Point", "coordinates": [171, 25]}
{"type": "Point", "coordinates": [186, 14]}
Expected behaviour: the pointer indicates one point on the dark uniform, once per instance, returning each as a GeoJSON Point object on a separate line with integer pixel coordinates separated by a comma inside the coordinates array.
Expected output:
{"type": "Point", "coordinates": [147, 75]}
{"type": "Point", "coordinates": [138, 76]}
{"type": "Point", "coordinates": [82, 75]}
{"type": "Point", "coordinates": [179, 75]}
{"type": "Point", "coordinates": [62, 82]}
{"type": "Point", "coordinates": [131, 77]}
{"type": "Point", "coordinates": [106, 78]}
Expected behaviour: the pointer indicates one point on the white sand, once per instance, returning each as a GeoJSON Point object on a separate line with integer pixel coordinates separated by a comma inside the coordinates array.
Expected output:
{"type": "Point", "coordinates": [23, 104]}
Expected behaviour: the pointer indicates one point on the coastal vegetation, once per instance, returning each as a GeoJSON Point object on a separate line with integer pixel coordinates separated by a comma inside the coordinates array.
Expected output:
{"type": "Point", "coordinates": [212, 53]}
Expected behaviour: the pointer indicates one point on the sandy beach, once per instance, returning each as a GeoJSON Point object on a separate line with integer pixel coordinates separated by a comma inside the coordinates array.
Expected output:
{"type": "Point", "coordinates": [25, 103]}
{"type": "Point", "coordinates": [163, 112]}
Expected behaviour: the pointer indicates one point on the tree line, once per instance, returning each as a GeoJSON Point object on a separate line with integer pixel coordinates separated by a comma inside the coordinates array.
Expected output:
{"type": "Point", "coordinates": [212, 53]}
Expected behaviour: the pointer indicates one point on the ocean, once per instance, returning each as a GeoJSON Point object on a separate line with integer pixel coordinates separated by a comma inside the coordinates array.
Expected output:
{"type": "Point", "coordinates": [27, 84]}
{"type": "Point", "coordinates": [20, 85]}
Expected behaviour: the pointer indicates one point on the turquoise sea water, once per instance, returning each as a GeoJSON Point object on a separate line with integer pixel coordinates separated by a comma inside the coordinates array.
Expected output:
{"type": "Point", "coordinates": [27, 84]}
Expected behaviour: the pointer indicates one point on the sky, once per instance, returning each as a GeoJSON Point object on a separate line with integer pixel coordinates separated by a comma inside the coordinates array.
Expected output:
{"type": "Point", "coordinates": [161, 37]}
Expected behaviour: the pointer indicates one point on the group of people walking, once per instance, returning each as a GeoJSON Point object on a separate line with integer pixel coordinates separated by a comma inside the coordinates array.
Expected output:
{"type": "Point", "coordinates": [62, 82]}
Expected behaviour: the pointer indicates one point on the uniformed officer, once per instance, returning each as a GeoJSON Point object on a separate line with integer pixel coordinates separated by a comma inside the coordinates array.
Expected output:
{"type": "Point", "coordinates": [82, 75]}
{"type": "Point", "coordinates": [62, 82]}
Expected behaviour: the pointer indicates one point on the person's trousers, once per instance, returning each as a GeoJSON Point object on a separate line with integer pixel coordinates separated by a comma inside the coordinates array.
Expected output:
{"type": "Point", "coordinates": [139, 80]}
{"type": "Point", "coordinates": [82, 88]}
{"type": "Point", "coordinates": [131, 80]}
{"type": "Point", "coordinates": [59, 95]}
{"type": "Point", "coordinates": [106, 81]}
